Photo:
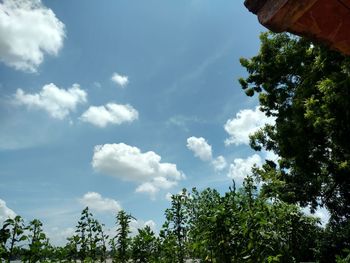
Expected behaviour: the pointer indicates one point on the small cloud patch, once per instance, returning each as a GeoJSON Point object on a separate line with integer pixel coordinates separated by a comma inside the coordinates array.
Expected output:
{"type": "Point", "coordinates": [121, 80]}
{"type": "Point", "coordinates": [96, 202]}
{"type": "Point", "coordinates": [111, 113]}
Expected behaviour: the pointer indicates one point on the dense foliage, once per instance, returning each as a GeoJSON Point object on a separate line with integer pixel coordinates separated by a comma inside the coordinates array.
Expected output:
{"type": "Point", "coordinates": [306, 87]}
{"type": "Point", "coordinates": [239, 226]}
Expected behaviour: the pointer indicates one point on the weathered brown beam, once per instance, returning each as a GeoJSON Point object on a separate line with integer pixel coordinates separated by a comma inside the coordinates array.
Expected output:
{"type": "Point", "coordinates": [327, 21]}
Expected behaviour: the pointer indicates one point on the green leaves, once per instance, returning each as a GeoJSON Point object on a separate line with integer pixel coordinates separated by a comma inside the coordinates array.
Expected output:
{"type": "Point", "coordinates": [307, 87]}
{"type": "Point", "coordinates": [121, 242]}
{"type": "Point", "coordinates": [90, 240]}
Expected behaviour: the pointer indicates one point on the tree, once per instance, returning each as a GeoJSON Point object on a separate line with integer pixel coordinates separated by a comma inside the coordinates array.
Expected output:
{"type": "Point", "coordinates": [306, 87]}
{"type": "Point", "coordinates": [70, 251]}
{"type": "Point", "coordinates": [176, 223]}
{"type": "Point", "coordinates": [11, 233]}
{"type": "Point", "coordinates": [210, 223]}
{"type": "Point", "coordinates": [102, 238]}
{"type": "Point", "coordinates": [121, 242]}
{"type": "Point", "coordinates": [38, 243]}
{"type": "Point", "coordinates": [144, 246]}
{"type": "Point", "coordinates": [88, 236]}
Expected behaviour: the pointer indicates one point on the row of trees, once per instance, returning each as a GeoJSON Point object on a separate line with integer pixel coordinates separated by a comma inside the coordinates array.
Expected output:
{"type": "Point", "coordinates": [239, 226]}
{"type": "Point", "coordinates": [14, 234]}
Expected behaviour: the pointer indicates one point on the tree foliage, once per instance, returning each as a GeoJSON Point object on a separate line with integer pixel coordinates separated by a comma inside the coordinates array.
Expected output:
{"type": "Point", "coordinates": [121, 241]}
{"type": "Point", "coordinates": [306, 87]}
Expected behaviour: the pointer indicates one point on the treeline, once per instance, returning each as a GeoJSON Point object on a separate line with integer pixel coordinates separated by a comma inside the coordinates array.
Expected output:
{"type": "Point", "coordinates": [239, 226]}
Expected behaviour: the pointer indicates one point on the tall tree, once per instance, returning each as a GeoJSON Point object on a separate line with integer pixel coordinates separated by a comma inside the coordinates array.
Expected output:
{"type": "Point", "coordinates": [88, 236]}
{"type": "Point", "coordinates": [177, 223]}
{"type": "Point", "coordinates": [306, 87]}
{"type": "Point", "coordinates": [144, 246]}
{"type": "Point", "coordinates": [11, 233]}
{"type": "Point", "coordinates": [121, 242]}
{"type": "Point", "coordinates": [38, 242]}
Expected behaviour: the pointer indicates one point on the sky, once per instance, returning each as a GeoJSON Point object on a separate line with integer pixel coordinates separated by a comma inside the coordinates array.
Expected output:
{"type": "Point", "coordinates": [118, 104]}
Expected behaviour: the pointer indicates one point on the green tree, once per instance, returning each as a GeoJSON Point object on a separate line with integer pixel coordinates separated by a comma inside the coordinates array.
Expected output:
{"type": "Point", "coordinates": [88, 236]}
{"type": "Point", "coordinates": [306, 87]}
{"type": "Point", "coordinates": [144, 246]}
{"type": "Point", "coordinates": [70, 251]}
{"type": "Point", "coordinates": [121, 242]}
{"type": "Point", "coordinates": [102, 239]}
{"type": "Point", "coordinates": [11, 233]}
{"type": "Point", "coordinates": [210, 223]}
{"type": "Point", "coordinates": [38, 242]}
{"type": "Point", "coordinates": [177, 223]}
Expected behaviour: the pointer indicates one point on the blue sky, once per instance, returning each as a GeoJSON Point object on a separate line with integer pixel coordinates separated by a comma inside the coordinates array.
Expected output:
{"type": "Point", "coordinates": [116, 104]}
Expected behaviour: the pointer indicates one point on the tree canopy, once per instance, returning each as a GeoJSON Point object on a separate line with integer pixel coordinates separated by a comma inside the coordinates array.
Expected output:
{"type": "Point", "coordinates": [306, 87]}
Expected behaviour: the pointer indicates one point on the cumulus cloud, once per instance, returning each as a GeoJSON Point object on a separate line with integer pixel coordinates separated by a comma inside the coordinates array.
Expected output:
{"type": "Point", "coordinates": [96, 202]}
{"type": "Point", "coordinates": [130, 164]}
{"type": "Point", "coordinates": [148, 188]}
{"type": "Point", "coordinates": [5, 212]}
{"type": "Point", "coordinates": [120, 80]}
{"type": "Point", "coordinates": [219, 163]}
{"type": "Point", "coordinates": [200, 148]}
{"type": "Point", "coordinates": [245, 123]}
{"type": "Point", "coordinates": [58, 103]}
{"type": "Point", "coordinates": [155, 185]}
{"type": "Point", "coordinates": [111, 113]}
{"type": "Point", "coordinates": [240, 168]}
{"type": "Point", "coordinates": [28, 30]}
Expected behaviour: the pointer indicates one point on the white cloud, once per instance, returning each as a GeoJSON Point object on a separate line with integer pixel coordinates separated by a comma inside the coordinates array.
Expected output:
{"type": "Point", "coordinates": [111, 113]}
{"type": "Point", "coordinates": [219, 163]}
{"type": "Point", "coordinates": [120, 80]}
{"type": "Point", "coordinates": [245, 123]}
{"type": "Point", "coordinates": [148, 188]}
{"type": "Point", "coordinates": [5, 212]}
{"type": "Point", "coordinates": [169, 196]}
{"type": "Point", "coordinates": [130, 164]}
{"type": "Point", "coordinates": [58, 103]}
{"type": "Point", "coordinates": [240, 168]}
{"type": "Point", "coordinates": [58, 236]}
{"type": "Point", "coordinates": [155, 185]}
{"type": "Point", "coordinates": [203, 150]}
{"type": "Point", "coordinates": [200, 148]}
{"type": "Point", "coordinates": [28, 30]}
{"type": "Point", "coordinates": [96, 202]}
